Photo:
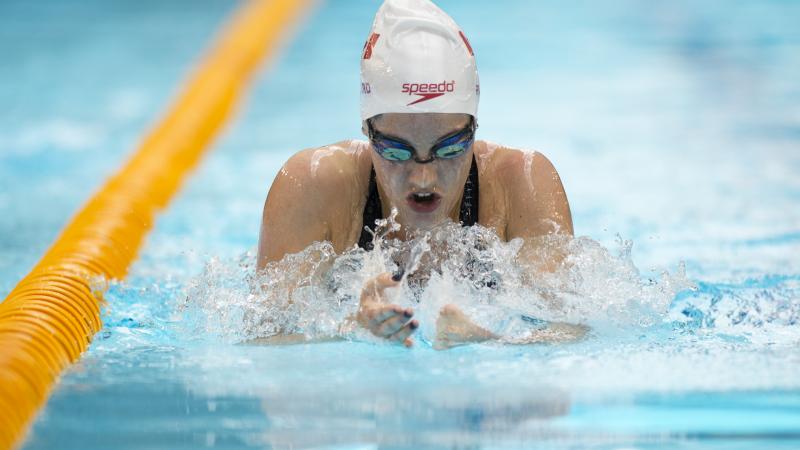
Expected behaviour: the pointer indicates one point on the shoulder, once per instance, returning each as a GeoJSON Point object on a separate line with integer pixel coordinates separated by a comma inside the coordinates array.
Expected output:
{"type": "Point", "coordinates": [327, 164]}
{"type": "Point", "coordinates": [535, 200]}
{"type": "Point", "coordinates": [515, 168]}
{"type": "Point", "coordinates": [308, 196]}
{"type": "Point", "coordinates": [323, 170]}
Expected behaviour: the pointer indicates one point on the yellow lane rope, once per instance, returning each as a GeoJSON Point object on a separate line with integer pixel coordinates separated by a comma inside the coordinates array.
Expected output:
{"type": "Point", "coordinates": [49, 318]}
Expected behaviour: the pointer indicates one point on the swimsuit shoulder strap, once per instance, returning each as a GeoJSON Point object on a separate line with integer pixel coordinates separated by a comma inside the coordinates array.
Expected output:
{"type": "Point", "coordinates": [373, 209]}
{"type": "Point", "coordinates": [470, 200]}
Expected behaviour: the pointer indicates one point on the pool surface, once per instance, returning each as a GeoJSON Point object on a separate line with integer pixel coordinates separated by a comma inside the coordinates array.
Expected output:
{"type": "Point", "coordinates": [675, 128]}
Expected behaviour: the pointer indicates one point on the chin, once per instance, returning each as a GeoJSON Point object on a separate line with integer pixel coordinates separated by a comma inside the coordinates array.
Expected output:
{"type": "Point", "coordinates": [422, 221]}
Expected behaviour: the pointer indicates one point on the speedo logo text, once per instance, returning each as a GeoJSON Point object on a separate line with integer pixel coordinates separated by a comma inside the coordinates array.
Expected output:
{"type": "Point", "coordinates": [428, 91]}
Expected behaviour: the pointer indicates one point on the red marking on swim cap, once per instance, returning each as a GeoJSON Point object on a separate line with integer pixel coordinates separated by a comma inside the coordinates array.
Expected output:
{"type": "Point", "coordinates": [425, 97]}
{"type": "Point", "coordinates": [373, 38]}
{"type": "Point", "coordinates": [464, 38]}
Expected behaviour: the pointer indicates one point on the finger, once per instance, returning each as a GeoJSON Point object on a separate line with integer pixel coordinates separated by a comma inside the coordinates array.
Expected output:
{"type": "Point", "coordinates": [384, 313]}
{"type": "Point", "coordinates": [392, 325]}
{"type": "Point", "coordinates": [406, 331]}
{"type": "Point", "coordinates": [387, 312]}
{"type": "Point", "coordinates": [375, 286]}
{"type": "Point", "coordinates": [397, 276]}
{"type": "Point", "coordinates": [372, 314]}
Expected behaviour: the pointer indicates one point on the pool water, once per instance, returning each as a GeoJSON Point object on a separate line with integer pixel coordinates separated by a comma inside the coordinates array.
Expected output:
{"type": "Point", "coordinates": [675, 128]}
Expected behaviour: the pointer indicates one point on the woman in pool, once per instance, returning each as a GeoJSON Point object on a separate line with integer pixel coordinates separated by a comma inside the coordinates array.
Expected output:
{"type": "Point", "coordinates": [419, 102]}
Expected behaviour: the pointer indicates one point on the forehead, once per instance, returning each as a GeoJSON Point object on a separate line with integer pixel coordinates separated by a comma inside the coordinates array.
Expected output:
{"type": "Point", "coordinates": [420, 125]}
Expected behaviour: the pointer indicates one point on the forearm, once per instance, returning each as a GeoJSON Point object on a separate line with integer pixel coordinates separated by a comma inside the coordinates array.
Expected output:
{"type": "Point", "coordinates": [454, 328]}
{"type": "Point", "coordinates": [283, 337]}
{"type": "Point", "coordinates": [285, 292]}
{"type": "Point", "coordinates": [552, 333]}
{"type": "Point", "coordinates": [291, 339]}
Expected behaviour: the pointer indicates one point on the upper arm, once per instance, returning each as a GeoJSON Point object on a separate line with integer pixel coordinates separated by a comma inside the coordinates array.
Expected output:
{"type": "Point", "coordinates": [294, 212]}
{"type": "Point", "coordinates": [538, 202]}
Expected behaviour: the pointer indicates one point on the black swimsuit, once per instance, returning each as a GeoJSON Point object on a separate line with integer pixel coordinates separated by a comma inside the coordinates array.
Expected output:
{"type": "Point", "coordinates": [373, 210]}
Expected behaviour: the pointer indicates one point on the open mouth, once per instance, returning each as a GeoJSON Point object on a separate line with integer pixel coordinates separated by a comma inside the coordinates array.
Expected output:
{"type": "Point", "coordinates": [424, 202]}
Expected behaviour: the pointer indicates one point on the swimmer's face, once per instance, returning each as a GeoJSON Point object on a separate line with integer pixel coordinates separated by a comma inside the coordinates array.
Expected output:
{"type": "Point", "coordinates": [425, 195]}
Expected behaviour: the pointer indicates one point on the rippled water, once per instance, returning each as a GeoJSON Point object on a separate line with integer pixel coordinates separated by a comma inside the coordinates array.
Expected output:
{"type": "Point", "coordinates": [675, 128]}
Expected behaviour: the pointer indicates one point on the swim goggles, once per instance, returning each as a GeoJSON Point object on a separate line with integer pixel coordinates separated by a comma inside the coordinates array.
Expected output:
{"type": "Point", "coordinates": [394, 149]}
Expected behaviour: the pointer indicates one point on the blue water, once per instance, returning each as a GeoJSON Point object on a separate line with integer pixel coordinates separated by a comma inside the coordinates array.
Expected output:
{"type": "Point", "coordinates": [675, 126]}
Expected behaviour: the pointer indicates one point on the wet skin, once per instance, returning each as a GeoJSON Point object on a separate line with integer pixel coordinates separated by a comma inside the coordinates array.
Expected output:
{"type": "Point", "coordinates": [443, 178]}
{"type": "Point", "coordinates": [320, 193]}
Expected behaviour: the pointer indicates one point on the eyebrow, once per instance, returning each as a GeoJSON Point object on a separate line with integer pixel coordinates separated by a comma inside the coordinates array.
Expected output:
{"type": "Point", "coordinates": [403, 141]}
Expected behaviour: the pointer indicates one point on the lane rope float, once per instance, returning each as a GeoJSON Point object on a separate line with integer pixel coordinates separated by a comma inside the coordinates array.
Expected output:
{"type": "Point", "coordinates": [49, 318]}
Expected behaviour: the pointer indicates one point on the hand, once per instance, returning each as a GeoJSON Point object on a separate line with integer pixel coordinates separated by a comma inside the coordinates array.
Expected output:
{"type": "Point", "coordinates": [453, 328]}
{"type": "Point", "coordinates": [385, 320]}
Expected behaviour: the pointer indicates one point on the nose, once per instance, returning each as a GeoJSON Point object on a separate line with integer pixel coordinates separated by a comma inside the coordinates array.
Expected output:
{"type": "Point", "coordinates": [424, 156]}
{"type": "Point", "coordinates": [422, 176]}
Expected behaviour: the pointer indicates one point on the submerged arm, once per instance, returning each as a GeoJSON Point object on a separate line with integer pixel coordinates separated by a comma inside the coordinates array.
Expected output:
{"type": "Point", "coordinates": [454, 328]}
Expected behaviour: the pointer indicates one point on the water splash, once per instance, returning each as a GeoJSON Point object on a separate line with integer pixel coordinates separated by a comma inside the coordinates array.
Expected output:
{"type": "Point", "coordinates": [496, 283]}
{"type": "Point", "coordinates": [764, 310]}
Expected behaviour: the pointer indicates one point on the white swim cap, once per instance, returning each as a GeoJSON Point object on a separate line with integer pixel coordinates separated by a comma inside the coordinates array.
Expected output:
{"type": "Point", "coordinates": [417, 60]}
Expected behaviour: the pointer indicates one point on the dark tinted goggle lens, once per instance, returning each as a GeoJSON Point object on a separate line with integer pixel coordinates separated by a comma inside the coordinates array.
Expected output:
{"type": "Point", "coordinates": [395, 154]}
{"type": "Point", "coordinates": [451, 147]}
{"type": "Point", "coordinates": [451, 151]}
{"type": "Point", "coordinates": [455, 146]}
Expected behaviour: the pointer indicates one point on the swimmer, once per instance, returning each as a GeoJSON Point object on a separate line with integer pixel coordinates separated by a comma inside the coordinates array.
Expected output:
{"type": "Point", "coordinates": [419, 105]}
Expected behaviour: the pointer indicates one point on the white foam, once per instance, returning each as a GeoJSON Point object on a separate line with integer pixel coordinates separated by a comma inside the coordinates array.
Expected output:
{"type": "Point", "coordinates": [450, 264]}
